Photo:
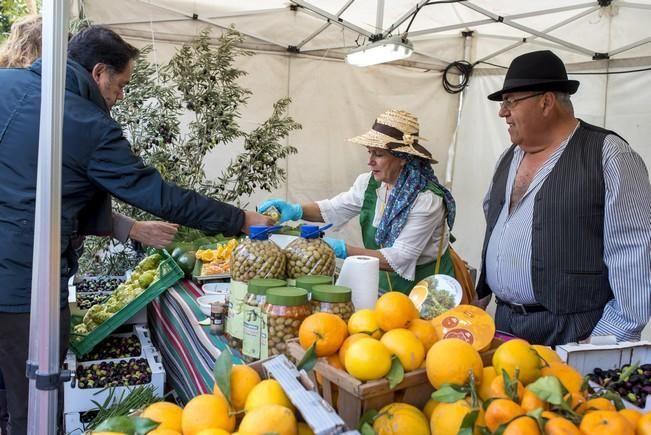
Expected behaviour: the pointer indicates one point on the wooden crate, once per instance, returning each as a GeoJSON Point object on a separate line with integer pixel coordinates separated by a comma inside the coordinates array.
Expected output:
{"type": "Point", "coordinates": [352, 398]}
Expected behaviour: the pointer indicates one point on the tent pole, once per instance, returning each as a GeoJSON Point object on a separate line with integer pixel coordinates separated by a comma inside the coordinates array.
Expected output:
{"type": "Point", "coordinates": [379, 16]}
{"type": "Point", "coordinates": [43, 365]}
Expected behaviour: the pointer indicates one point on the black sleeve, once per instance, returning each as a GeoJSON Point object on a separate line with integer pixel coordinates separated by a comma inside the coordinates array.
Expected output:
{"type": "Point", "coordinates": [113, 167]}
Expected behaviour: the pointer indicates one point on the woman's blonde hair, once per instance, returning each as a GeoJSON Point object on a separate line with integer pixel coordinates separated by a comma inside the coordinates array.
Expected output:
{"type": "Point", "coordinates": [23, 46]}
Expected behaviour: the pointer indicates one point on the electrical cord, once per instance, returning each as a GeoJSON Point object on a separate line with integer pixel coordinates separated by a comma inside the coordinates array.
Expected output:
{"type": "Point", "coordinates": [465, 71]}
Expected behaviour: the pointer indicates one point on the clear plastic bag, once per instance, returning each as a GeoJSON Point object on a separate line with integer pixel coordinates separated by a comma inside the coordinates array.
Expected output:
{"type": "Point", "coordinates": [257, 259]}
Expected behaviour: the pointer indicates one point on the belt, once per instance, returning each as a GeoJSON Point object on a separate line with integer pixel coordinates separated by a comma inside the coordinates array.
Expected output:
{"type": "Point", "coordinates": [522, 308]}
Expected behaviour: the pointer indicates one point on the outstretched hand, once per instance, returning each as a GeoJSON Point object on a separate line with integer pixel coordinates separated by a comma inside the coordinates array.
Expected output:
{"type": "Point", "coordinates": [156, 234]}
{"type": "Point", "coordinates": [288, 211]}
{"type": "Point", "coordinates": [337, 245]}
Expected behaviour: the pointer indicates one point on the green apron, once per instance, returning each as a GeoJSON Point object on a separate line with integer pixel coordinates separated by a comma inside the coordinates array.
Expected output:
{"type": "Point", "coordinates": [391, 280]}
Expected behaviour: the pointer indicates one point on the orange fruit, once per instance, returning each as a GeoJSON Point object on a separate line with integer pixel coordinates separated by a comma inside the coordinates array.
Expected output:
{"type": "Point", "coordinates": [569, 377]}
{"type": "Point", "coordinates": [166, 413]}
{"type": "Point", "coordinates": [401, 418]}
{"type": "Point", "coordinates": [368, 359]}
{"type": "Point", "coordinates": [605, 423]}
{"type": "Point", "coordinates": [395, 310]}
{"type": "Point", "coordinates": [546, 353]}
{"type": "Point", "coordinates": [497, 389]}
{"type": "Point", "coordinates": [304, 429]}
{"type": "Point", "coordinates": [561, 426]}
{"type": "Point", "coordinates": [243, 379]}
{"type": "Point", "coordinates": [365, 322]}
{"type": "Point", "coordinates": [327, 330]}
{"type": "Point", "coordinates": [203, 432]}
{"type": "Point", "coordinates": [644, 425]}
{"type": "Point", "coordinates": [631, 415]}
{"type": "Point", "coordinates": [159, 431]}
{"type": "Point", "coordinates": [522, 426]}
{"type": "Point", "coordinates": [575, 400]}
{"type": "Point", "coordinates": [549, 415]}
{"type": "Point", "coordinates": [447, 417]}
{"type": "Point", "coordinates": [419, 293]}
{"type": "Point", "coordinates": [404, 344]}
{"type": "Point", "coordinates": [468, 323]}
{"type": "Point", "coordinates": [530, 401]}
{"type": "Point", "coordinates": [596, 404]}
{"type": "Point", "coordinates": [488, 374]}
{"type": "Point", "coordinates": [518, 354]}
{"type": "Point", "coordinates": [450, 360]}
{"type": "Point", "coordinates": [269, 419]}
{"type": "Point", "coordinates": [429, 408]}
{"type": "Point", "coordinates": [346, 344]}
{"type": "Point", "coordinates": [206, 411]}
{"type": "Point", "coordinates": [501, 411]}
{"type": "Point", "coordinates": [267, 392]}
{"type": "Point", "coordinates": [424, 331]}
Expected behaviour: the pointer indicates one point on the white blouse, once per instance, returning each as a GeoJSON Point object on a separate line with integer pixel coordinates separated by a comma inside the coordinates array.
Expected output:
{"type": "Point", "coordinates": [418, 241]}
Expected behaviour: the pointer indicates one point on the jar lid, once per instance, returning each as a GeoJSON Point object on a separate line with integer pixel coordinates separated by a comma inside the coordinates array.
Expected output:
{"type": "Point", "coordinates": [259, 286]}
{"type": "Point", "coordinates": [309, 281]}
{"type": "Point", "coordinates": [287, 296]}
{"type": "Point", "coordinates": [310, 231]}
{"type": "Point", "coordinates": [331, 293]}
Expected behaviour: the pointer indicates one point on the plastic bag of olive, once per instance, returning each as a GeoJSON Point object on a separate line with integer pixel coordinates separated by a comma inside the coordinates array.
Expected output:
{"type": "Point", "coordinates": [309, 255]}
{"type": "Point", "coordinates": [257, 259]}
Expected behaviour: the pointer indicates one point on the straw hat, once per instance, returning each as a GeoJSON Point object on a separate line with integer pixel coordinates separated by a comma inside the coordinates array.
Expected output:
{"type": "Point", "coordinates": [395, 130]}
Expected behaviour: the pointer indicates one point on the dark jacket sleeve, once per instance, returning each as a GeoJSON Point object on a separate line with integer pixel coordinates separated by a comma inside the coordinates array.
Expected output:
{"type": "Point", "coordinates": [113, 167]}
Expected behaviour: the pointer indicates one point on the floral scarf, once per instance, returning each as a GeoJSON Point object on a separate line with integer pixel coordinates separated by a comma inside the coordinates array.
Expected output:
{"type": "Point", "coordinates": [413, 178]}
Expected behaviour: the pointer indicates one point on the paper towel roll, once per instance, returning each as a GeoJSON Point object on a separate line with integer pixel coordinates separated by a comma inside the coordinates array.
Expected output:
{"type": "Point", "coordinates": [361, 273]}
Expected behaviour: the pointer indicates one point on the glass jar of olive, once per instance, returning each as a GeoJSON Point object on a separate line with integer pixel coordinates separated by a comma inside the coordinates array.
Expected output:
{"type": "Point", "coordinates": [255, 326]}
{"type": "Point", "coordinates": [285, 309]}
{"type": "Point", "coordinates": [333, 299]}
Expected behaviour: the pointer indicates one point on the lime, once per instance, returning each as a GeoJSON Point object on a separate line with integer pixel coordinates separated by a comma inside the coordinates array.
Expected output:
{"type": "Point", "coordinates": [186, 262]}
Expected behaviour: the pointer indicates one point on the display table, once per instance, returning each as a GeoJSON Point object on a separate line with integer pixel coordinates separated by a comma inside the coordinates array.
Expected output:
{"type": "Point", "coordinates": [188, 349]}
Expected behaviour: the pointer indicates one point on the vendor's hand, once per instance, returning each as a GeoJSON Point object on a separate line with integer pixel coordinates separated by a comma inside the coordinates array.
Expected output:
{"type": "Point", "coordinates": [156, 234]}
{"type": "Point", "coordinates": [253, 218]}
{"type": "Point", "coordinates": [339, 246]}
{"type": "Point", "coordinates": [288, 211]}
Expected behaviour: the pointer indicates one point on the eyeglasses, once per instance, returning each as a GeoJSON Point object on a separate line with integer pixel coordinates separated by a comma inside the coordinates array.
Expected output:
{"type": "Point", "coordinates": [510, 104]}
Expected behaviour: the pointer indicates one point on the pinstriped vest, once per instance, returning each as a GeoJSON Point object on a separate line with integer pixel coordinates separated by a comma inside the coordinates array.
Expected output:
{"type": "Point", "coordinates": [567, 269]}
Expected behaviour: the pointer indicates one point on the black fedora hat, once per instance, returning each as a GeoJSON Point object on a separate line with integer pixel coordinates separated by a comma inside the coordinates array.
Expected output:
{"type": "Point", "coordinates": [536, 71]}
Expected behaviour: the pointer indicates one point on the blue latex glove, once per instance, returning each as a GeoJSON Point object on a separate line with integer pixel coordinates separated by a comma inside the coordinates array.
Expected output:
{"type": "Point", "coordinates": [288, 211]}
{"type": "Point", "coordinates": [337, 245]}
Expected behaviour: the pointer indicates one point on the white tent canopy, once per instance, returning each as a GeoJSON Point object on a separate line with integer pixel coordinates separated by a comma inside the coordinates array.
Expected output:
{"type": "Point", "coordinates": [300, 45]}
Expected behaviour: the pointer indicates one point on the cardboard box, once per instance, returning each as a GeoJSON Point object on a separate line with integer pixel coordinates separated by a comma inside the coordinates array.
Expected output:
{"type": "Point", "coordinates": [586, 357]}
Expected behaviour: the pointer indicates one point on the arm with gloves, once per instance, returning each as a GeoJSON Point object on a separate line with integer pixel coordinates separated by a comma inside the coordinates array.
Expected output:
{"type": "Point", "coordinates": [293, 211]}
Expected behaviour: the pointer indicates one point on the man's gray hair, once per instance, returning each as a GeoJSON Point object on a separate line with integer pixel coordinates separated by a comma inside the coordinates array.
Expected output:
{"type": "Point", "coordinates": [564, 99]}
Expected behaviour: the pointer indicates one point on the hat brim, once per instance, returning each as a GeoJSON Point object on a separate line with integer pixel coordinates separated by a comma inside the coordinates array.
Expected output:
{"type": "Point", "coordinates": [375, 139]}
{"type": "Point", "coordinates": [568, 86]}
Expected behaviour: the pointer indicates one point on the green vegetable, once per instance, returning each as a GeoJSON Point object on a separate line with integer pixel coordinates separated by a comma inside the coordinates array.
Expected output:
{"type": "Point", "coordinates": [149, 263]}
{"type": "Point", "coordinates": [186, 262]}
{"type": "Point", "coordinates": [147, 278]}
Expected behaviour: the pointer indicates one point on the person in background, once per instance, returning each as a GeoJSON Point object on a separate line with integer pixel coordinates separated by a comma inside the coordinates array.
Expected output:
{"type": "Point", "coordinates": [405, 213]}
{"type": "Point", "coordinates": [567, 250]}
{"type": "Point", "coordinates": [20, 50]}
{"type": "Point", "coordinates": [97, 163]}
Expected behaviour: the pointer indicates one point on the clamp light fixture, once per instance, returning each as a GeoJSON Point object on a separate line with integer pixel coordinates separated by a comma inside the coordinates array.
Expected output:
{"type": "Point", "coordinates": [382, 51]}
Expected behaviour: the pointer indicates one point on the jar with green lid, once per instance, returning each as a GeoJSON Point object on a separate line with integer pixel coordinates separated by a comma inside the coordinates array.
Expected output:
{"type": "Point", "coordinates": [285, 309]}
{"type": "Point", "coordinates": [307, 282]}
{"type": "Point", "coordinates": [255, 330]}
{"type": "Point", "coordinates": [333, 299]}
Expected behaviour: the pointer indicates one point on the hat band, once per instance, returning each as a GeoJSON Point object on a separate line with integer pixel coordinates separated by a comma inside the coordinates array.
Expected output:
{"type": "Point", "coordinates": [399, 135]}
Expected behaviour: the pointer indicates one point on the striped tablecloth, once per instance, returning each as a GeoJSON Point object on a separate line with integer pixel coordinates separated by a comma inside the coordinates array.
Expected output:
{"type": "Point", "coordinates": [188, 349]}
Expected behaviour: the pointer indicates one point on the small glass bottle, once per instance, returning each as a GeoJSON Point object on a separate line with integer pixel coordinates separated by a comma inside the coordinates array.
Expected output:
{"type": "Point", "coordinates": [217, 318]}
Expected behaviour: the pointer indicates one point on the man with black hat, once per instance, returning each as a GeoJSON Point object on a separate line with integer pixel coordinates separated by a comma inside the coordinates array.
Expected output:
{"type": "Point", "coordinates": [567, 250]}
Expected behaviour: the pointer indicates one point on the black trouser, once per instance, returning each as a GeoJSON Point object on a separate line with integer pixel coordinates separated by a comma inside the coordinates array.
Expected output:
{"type": "Point", "coordinates": [545, 327]}
{"type": "Point", "coordinates": [14, 350]}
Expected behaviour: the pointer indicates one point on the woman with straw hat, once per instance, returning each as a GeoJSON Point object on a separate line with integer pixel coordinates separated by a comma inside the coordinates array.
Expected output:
{"type": "Point", "coordinates": [404, 212]}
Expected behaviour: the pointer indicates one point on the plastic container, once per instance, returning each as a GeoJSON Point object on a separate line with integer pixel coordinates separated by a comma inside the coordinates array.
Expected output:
{"type": "Point", "coordinates": [255, 257]}
{"type": "Point", "coordinates": [253, 325]}
{"type": "Point", "coordinates": [309, 255]}
{"type": "Point", "coordinates": [169, 272]}
{"type": "Point", "coordinates": [283, 312]}
{"type": "Point", "coordinates": [333, 299]}
{"type": "Point", "coordinates": [307, 282]}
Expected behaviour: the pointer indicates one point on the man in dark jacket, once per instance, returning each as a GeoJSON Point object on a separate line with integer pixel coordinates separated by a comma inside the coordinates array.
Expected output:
{"type": "Point", "coordinates": [97, 163]}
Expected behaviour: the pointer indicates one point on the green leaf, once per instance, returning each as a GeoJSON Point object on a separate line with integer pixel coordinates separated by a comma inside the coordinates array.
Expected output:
{"type": "Point", "coordinates": [483, 430]}
{"type": "Point", "coordinates": [396, 374]}
{"type": "Point", "coordinates": [615, 398]}
{"type": "Point", "coordinates": [222, 372]}
{"type": "Point", "coordinates": [308, 361]}
{"type": "Point", "coordinates": [449, 393]}
{"type": "Point", "coordinates": [548, 388]}
{"type": "Point", "coordinates": [367, 418]}
{"type": "Point", "coordinates": [367, 429]}
{"type": "Point", "coordinates": [128, 425]}
{"type": "Point", "coordinates": [468, 423]}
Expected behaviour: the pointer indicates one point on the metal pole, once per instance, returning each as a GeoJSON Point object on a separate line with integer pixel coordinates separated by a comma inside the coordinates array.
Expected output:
{"type": "Point", "coordinates": [43, 359]}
